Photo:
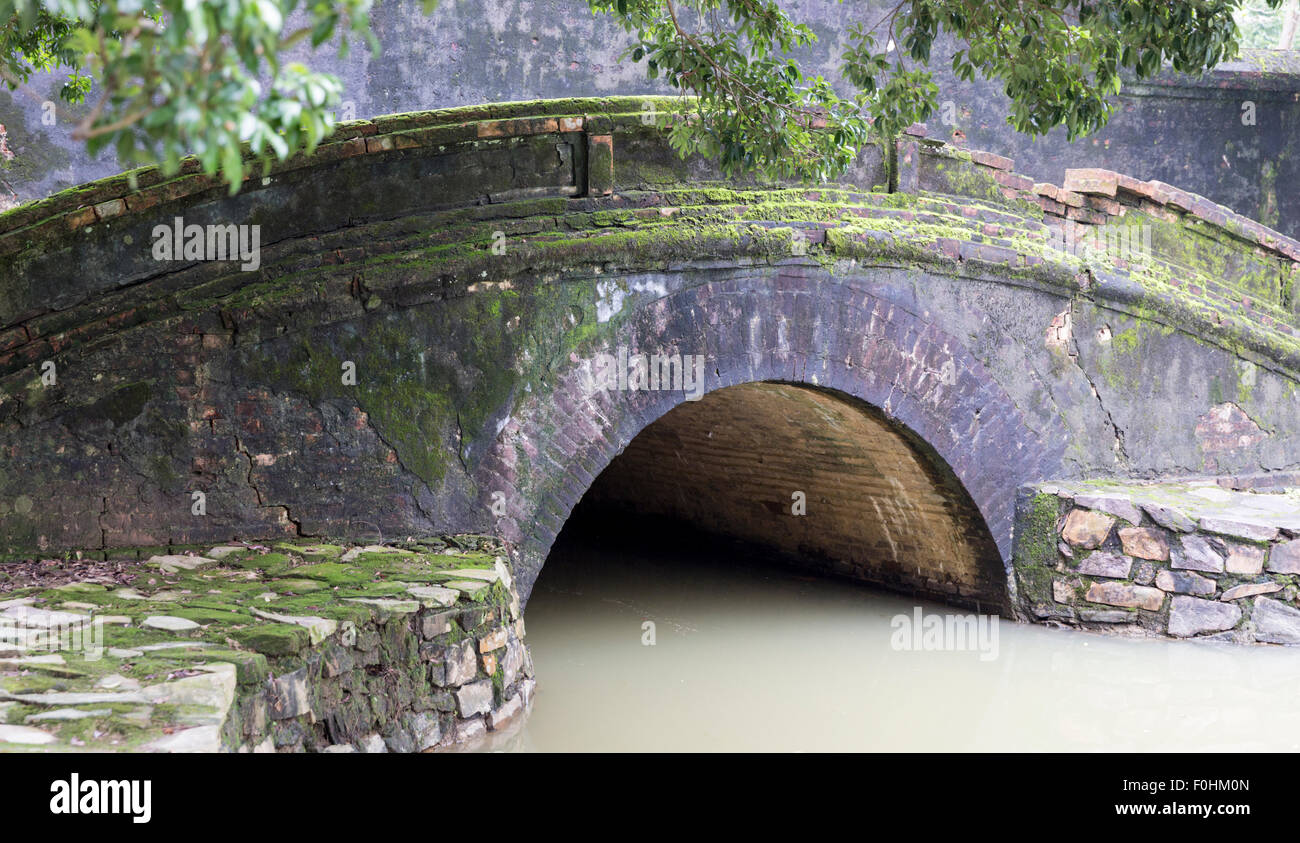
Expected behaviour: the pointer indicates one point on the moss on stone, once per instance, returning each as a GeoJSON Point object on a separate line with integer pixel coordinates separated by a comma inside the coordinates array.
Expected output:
{"type": "Point", "coordinates": [272, 639]}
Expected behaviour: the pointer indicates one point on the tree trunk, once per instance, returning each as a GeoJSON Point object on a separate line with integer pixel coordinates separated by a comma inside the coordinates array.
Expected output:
{"type": "Point", "coordinates": [1291, 16]}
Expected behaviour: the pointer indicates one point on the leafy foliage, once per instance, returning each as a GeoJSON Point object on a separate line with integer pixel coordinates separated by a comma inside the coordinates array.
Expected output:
{"type": "Point", "coordinates": [1058, 61]}
{"type": "Point", "coordinates": [181, 77]}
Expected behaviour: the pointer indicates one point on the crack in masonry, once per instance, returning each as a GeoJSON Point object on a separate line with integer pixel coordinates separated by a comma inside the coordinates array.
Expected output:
{"type": "Point", "coordinates": [1121, 450]}
{"type": "Point", "coordinates": [378, 435]}
{"type": "Point", "coordinates": [103, 532]}
{"type": "Point", "coordinates": [460, 445]}
{"type": "Point", "coordinates": [397, 455]}
{"type": "Point", "coordinates": [261, 502]}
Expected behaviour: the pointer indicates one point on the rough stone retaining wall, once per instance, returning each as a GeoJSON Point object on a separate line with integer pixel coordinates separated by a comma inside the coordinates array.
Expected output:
{"type": "Point", "coordinates": [313, 647]}
{"type": "Point", "coordinates": [1189, 560]}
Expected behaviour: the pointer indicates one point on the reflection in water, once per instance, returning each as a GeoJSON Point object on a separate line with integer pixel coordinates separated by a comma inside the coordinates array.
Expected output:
{"type": "Point", "coordinates": [750, 656]}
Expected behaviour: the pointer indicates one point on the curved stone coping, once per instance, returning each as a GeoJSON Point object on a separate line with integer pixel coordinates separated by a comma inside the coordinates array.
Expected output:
{"type": "Point", "coordinates": [598, 118]}
{"type": "Point", "coordinates": [1253, 70]}
{"type": "Point", "coordinates": [415, 259]}
{"type": "Point", "coordinates": [1186, 559]}
{"type": "Point", "coordinates": [138, 190]}
{"type": "Point", "coordinates": [300, 647]}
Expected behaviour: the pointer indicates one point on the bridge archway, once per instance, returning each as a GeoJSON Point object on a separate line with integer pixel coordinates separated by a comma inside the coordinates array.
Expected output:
{"type": "Point", "coordinates": [826, 349]}
{"type": "Point", "coordinates": [818, 478]}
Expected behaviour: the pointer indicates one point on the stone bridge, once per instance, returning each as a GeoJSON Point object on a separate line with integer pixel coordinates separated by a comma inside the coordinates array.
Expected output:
{"type": "Point", "coordinates": [934, 375]}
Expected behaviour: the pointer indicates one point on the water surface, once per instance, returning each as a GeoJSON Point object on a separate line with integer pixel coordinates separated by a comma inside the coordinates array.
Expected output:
{"type": "Point", "coordinates": [752, 656]}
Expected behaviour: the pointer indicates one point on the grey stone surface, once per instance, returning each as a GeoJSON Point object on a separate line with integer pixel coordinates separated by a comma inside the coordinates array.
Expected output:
{"type": "Point", "coordinates": [1284, 557]}
{"type": "Point", "coordinates": [1275, 622]}
{"type": "Point", "coordinates": [432, 625]}
{"type": "Point", "coordinates": [506, 711]}
{"type": "Point", "coordinates": [24, 735]}
{"type": "Point", "coordinates": [399, 740]}
{"type": "Point", "coordinates": [169, 623]}
{"type": "Point", "coordinates": [470, 730]}
{"type": "Point", "coordinates": [288, 696]}
{"type": "Point", "coordinates": [1190, 616]}
{"type": "Point", "coordinates": [1128, 596]}
{"type": "Point", "coordinates": [513, 661]}
{"type": "Point", "coordinates": [1251, 530]}
{"type": "Point", "coordinates": [475, 698]}
{"type": "Point", "coordinates": [1170, 518]}
{"type": "Point", "coordinates": [1119, 506]}
{"type": "Point", "coordinates": [1250, 590]}
{"type": "Point", "coordinates": [198, 739]}
{"type": "Point", "coordinates": [1106, 564]}
{"type": "Point", "coordinates": [181, 562]}
{"type": "Point", "coordinates": [426, 730]}
{"type": "Point", "coordinates": [1196, 553]}
{"type": "Point", "coordinates": [462, 662]}
{"type": "Point", "coordinates": [1108, 616]}
{"type": "Point", "coordinates": [1185, 583]}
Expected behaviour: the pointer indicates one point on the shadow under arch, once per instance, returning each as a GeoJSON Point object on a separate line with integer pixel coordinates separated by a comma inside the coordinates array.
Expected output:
{"type": "Point", "coordinates": [800, 327]}
{"type": "Point", "coordinates": [815, 478]}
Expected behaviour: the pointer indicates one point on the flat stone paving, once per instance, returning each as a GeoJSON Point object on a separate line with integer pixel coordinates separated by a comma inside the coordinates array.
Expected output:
{"type": "Point", "coordinates": [153, 665]}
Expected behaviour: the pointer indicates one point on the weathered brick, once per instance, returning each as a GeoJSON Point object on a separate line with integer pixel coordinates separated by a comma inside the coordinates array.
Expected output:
{"type": "Point", "coordinates": [81, 217]}
{"type": "Point", "coordinates": [1091, 180]}
{"type": "Point", "coordinates": [989, 159]}
{"type": "Point", "coordinates": [110, 209]}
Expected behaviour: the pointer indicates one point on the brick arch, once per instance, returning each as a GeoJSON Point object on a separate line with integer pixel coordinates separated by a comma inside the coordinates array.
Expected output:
{"type": "Point", "coordinates": [804, 328]}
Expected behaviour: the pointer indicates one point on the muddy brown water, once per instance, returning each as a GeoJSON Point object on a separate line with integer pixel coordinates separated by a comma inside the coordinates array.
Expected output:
{"type": "Point", "coordinates": [751, 656]}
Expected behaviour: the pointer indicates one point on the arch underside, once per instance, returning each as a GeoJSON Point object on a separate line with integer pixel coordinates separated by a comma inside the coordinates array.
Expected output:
{"type": "Point", "coordinates": [816, 478]}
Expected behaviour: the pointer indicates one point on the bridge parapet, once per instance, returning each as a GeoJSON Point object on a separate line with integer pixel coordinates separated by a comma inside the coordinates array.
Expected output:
{"type": "Point", "coordinates": [1145, 242]}
{"type": "Point", "coordinates": [1122, 221]}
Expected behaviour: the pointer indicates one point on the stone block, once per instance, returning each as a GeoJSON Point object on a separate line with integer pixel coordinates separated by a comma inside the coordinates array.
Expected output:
{"type": "Point", "coordinates": [1275, 622]}
{"type": "Point", "coordinates": [494, 640]}
{"type": "Point", "coordinates": [1284, 558]}
{"type": "Point", "coordinates": [1145, 543]}
{"type": "Point", "coordinates": [1190, 616]}
{"type": "Point", "coordinates": [1253, 589]}
{"type": "Point", "coordinates": [507, 710]}
{"type": "Point", "coordinates": [1087, 528]}
{"type": "Point", "coordinates": [462, 663]}
{"type": "Point", "coordinates": [1195, 553]}
{"type": "Point", "coordinates": [425, 729]}
{"type": "Point", "coordinates": [1238, 529]}
{"type": "Point", "coordinates": [1120, 507]}
{"type": "Point", "coordinates": [287, 696]}
{"type": "Point", "coordinates": [1170, 518]}
{"type": "Point", "coordinates": [475, 698]}
{"type": "Point", "coordinates": [1106, 564]}
{"type": "Point", "coordinates": [1245, 559]}
{"type": "Point", "coordinates": [1185, 583]}
{"type": "Point", "coordinates": [1091, 180]}
{"type": "Point", "coordinates": [1127, 596]}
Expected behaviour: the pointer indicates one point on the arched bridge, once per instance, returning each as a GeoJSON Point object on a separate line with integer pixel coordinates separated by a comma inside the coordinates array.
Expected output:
{"type": "Point", "coordinates": [455, 321]}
